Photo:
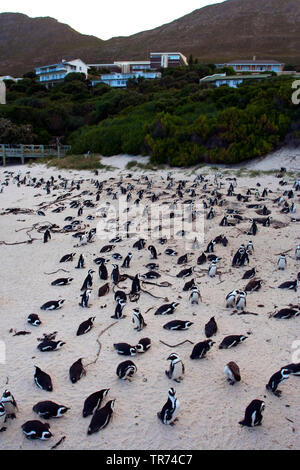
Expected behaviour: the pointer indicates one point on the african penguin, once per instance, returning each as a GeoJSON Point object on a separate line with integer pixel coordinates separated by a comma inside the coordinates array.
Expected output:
{"type": "Point", "coordinates": [138, 320]}
{"type": "Point", "coordinates": [35, 429]}
{"type": "Point", "coordinates": [93, 402]}
{"type": "Point", "coordinates": [42, 380]}
{"type": "Point", "coordinates": [253, 414]}
{"type": "Point", "coordinates": [169, 411]}
{"type": "Point", "coordinates": [200, 349]}
{"type": "Point", "coordinates": [85, 326]}
{"type": "Point", "coordinates": [126, 370]}
{"type": "Point", "coordinates": [176, 369]}
{"type": "Point", "coordinates": [76, 371]}
{"type": "Point", "coordinates": [49, 409]}
{"type": "Point", "coordinates": [101, 417]}
{"type": "Point", "coordinates": [232, 372]}
{"type": "Point", "coordinates": [276, 379]}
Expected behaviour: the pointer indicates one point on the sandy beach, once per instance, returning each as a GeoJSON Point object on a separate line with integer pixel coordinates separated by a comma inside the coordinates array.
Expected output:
{"type": "Point", "coordinates": [210, 408]}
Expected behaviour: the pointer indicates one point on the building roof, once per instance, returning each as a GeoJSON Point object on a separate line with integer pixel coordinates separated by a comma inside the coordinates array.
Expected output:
{"type": "Point", "coordinates": [216, 77]}
{"type": "Point", "coordinates": [255, 62]}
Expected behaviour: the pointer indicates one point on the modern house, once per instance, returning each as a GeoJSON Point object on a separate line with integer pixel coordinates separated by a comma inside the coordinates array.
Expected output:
{"type": "Point", "coordinates": [232, 81]}
{"type": "Point", "coordinates": [167, 59]}
{"type": "Point", "coordinates": [122, 66]}
{"type": "Point", "coordinates": [50, 75]}
{"type": "Point", "coordinates": [254, 65]}
{"type": "Point", "coordinates": [119, 80]}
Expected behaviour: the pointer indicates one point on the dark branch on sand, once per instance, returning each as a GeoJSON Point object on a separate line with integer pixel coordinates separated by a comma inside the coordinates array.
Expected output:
{"type": "Point", "coordinates": [175, 345]}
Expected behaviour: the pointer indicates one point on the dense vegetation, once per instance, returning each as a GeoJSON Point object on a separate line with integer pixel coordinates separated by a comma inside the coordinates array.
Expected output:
{"type": "Point", "coordinates": [172, 119]}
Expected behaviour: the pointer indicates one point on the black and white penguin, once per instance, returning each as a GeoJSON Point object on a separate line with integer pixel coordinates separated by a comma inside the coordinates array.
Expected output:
{"type": "Point", "coordinates": [293, 368]}
{"type": "Point", "coordinates": [166, 309]}
{"type": "Point", "coordinates": [138, 320]}
{"type": "Point", "coordinates": [120, 295]}
{"type": "Point", "coordinates": [276, 379]}
{"type": "Point", "coordinates": [241, 300]}
{"type": "Point", "coordinates": [101, 417]}
{"type": "Point", "coordinates": [211, 328]}
{"type": "Point", "coordinates": [9, 403]}
{"type": "Point", "coordinates": [168, 414]}
{"type": "Point", "coordinates": [182, 259]}
{"type": "Point", "coordinates": [170, 252]}
{"type": "Point", "coordinates": [42, 379]}
{"type": "Point", "coordinates": [47, 235]}
{"type": "Point", "coordinates": [176, 369]}
{"type": "Point", "coordinates": [34, 319]}
{"type": "Point", "coordinates": [103, 273]}
{"type": "Point", "coordinates": [115, 274]}
{"type": "Point", "coordinates": [232, 341]}
{"type": "Point", "coordinates": [210, 247]}
{"type": "Point", "coordinates": [76, 371]}
{"type": "Point", "coordinates": [282, 263]}
{"type": "Point", "coordinates": [126, 370]}
{"type": "Point", "coordinates": [151, 275]}
{"type": "Point", "coordinates": [212, 270]}
{"type": "Point", "coordinates": [152, 266]}
{"type": "Point", "coordinates": [93, 402]}
{"type": "Point", "coordinates": [244, 258]}
{"type": "Point", "coordinates": [201, 259]}
{"type": "Point", "coordinates": [85, 297]}
{"type": "Point", "coordinates": [249, 274]}
{"type": "Point", "coordinates": [153, 252]}
{"type": "Point", "coordinates": [68, 257]}
{"type": "Point", "coordinates": [185, 273]}
{"type": "Point", "coordinates": [253, 414]}
{"type": "Point", "coordinates": [287, 313]}
{"type": "Point", "coordinates": [107, 248]}
{"type": "Point", "coordinates": [291, 285]}
{"type": "Point", "coordinates": [126, 262]}
{"type": "Point", "coordinates": [35, 429]}
{"type": "Point", "coordinates": [49, 409]}
{"type": "Point", "coordinates": [178, 325]}
{"type": "Point", "coordinates": [125, 349]}
{"type": "Point", "coordinates": [85, 326]}
{"type": "Point", "coordinates": [80, 264]}
{"type": "Point", "coordinates": [140, 244]}
{"type": "Point", "coordinates": [189, 285]}
{"type": "Point", "coordinates": [63, 281]}
{"type": "Point", "coordinates": [230, 298]}
{"type": "Point", "coordinates": [143, 345]}
{"type": "Point", "coordinates": [232, 372]}
{"type": "Point", "coordinates": [117, 256]}
{"type": "Point", "coordinates": [2, 417]}
{"type": "Point", "coordinates": [200, 349]}
{"type": "Point", "coordinates": [119, 310]}
{"type": "Point", "coordinates": [195, 295]}
{"type": "Point", "coordinates": [254, 285]}
{"type": "Point", "coordinates": [52, 305]}
{"type": "Point", "coordinates": [88, 282]}
{"type": "Point", "coordinates": [297, 252]}
{"type": "Point", "coordinates": [136, 285]}
{"type": "Point", "coordinates": [49, 345]}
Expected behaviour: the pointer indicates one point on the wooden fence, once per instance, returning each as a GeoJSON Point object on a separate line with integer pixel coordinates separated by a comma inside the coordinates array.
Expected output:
{"type": "Point", "coordinates": [31, 151]}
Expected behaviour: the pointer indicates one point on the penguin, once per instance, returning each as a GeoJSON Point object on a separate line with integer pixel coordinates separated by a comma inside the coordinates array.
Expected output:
{"type": "Point", "coordinates": [287, 313]}
{"type": "Point", "coordinates": [282, 263]}
{"type": "Point", "coordinates": [85, 297]}
{"type": "Point", "coordinates": [166, 309]}
{"type": "Point", "coordinates": [244, 258]}
{"type": "Point", "coordinates": [185, 273]}
{"type": "Point", "coordinates": [152, 266]}
{"type": "Point", "coordinates": [120, 295]}
{"type": "Point", "coordinates": [143, 345]}
{"type": "Point", "coordinates": [9, 403]}
{"type": "Point", "coordinates": [212, 269]}
{"type": "Point", "coordinates": [52, 305]}
{"type": "Point", "coordinates": [88, 282]}
{"type": "Point", "coordinates": [47, 235]}
{"type": "Point", "coordinates": [138, 320]}
{"type": "Point", "coordinates": [101, 417]}
{"type": "Point", "coordinates": [200, 349]}
{"type": "Point", "coordinates": [103, 290]}
{"type": "Point", "coordinates": [189, 285]}
{"type": "Point", "coordinates": [85, 326]}
{"type": "Point", "coordinates": [119, 310]}
{"type": "Point", "coordinates": [201, 259]}
{"type": "Point", "coordinates": [2, 418]}
{"type": "Point", "coordinates": [232, 372]}
{"type": "Point", "coordinates": [76, 371]}
{"type": "Point", "coordinates": [115, 274]}
{"type": "Point", "coordinates": [42, 380]}
{"type": "Point", "coordinates": [182, 259]}
{"type": "Point", "coordinates": [253, 286]}
{"type": "Point", "coordinates": [126, 262]}
{"type": "Point", "coordinates": [63, 281]}
{"type": "Point", "coordinates": [253, 414]}
{"type": "Point", "coordinates": [103, 273]}
{"type": "Point", "coordinates": [68, 257]}
{"type": "Point", "coordinates": [140, 244]}
{"type": "Point", "coordinates": [211, 328]}
{"type": "Point", "coordinates": [117, 256]}
{"type": "Point", "coordinates": [169, 411]}
{"type": "Point", "coordinates": [297, 252]}
{"type": "Point", "coordinates": [34, 319]}
{"type": "Point", "coordinates": [151, 275]}
{"type": "Point", "coordinates": [276, 379]}
{"type": "Point", "coordinates": [253, 229]}
{"type": "Point", "coordinates": [125, 349]}
{"type": "Point", "coordinates": [135, 286]}
{"type": "Point", "coordinates": [289, 285]}
{"type": "Point", "coordinates": [170, 252]}
{"type": "Point", "coordinates": [230, 298]}
{"type": "Point", "coordinates": [35, 429]}
{"type": "Point", "coordinates": [293, 368]}
{"type": "Point", "coordinates": [49, 345]}
{"type": "Point", "coordinates": [231, 341]}
{"type": "Point", "coordinates": [249, 274]}
{"type": "Point", "coordinates": [210, 247]}
{"type": "Point", "coordinates": [153, 252]}
{"type": "Point", "coordinates": [80, 264]}
{"type": "Point", "coordinates": [176, 370]}
{"type": "Point", "coordinates": [126, 370]}
{"type": "Point", "coordinates": [195, 295]}
{"type": "Point", "coordinates": [107, 248]}
{"type": "Point", "coordinates": [49, 409]}
{"type": "Point", "coordinates": [93, 402]}
{"type": "Point", "coordinates": [178, 325]}
{"type": "Point", "coordinates": [241, 300]}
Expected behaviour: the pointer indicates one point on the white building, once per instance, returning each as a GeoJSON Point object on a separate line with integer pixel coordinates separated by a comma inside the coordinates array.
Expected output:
{"type": "Point", "coordinates": [49, 75]}
{"type": "Point", "coordinates": [119, 80]}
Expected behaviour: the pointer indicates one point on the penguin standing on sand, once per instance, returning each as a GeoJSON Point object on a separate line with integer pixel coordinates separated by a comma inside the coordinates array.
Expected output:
{"type": "Point", "coordinates": [212, 269]}
{"type": "Point", "coordinates": [232, 372]}
{"type": "Point", "coordinates": [138, 320]}
{"type": "Point", "coordinates": [47, 235]}
{"type": "Point", "coordinates": [200, 349]}
{"type": "Point", "coordinates": [230, 299]}
{"type": "Point", "coordinates": [211, 328]}
{"type": "Point", "coordinates": [176, 370]}
{"type": "Point", "coordinates": [136, 285]}
{"type": "Point", "coordinates": [85, 297]}
{"type": "Point", "coordinates": [115, 274]}
{"type": "Point", "coordinates": [126, 262]}
{"type": "Point", "coordinates": [88, 282]}
{"type": "Point", "coordinates": [103, 273]}
{"type": "Point", "coordinates": [153, 252]}
{"type": "Point", "coordinates": [9, 403]}
{"type": "Point", "coordinates": [195, 295]}
{"type": "Point", "coordinates": [276, 379]}
{"type": "Point", "coordinates": [241, 300]}
{"type": "Point", "coordinates": [253, 414]}
{"type": "Point", "coordinates": [169, 411]}
{"type": "Point", "coordinates": [119, 310]}
{"type": "Point", "coordinates": [282, 264]}
{"type": "Point", "coordinates": [80, 264]}
{"type": "Point", "coordinates": [76, 371]}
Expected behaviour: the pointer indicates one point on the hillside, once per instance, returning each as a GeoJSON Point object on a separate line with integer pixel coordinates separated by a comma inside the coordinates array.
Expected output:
{"type": "Point", "coordinates": [229, 30]}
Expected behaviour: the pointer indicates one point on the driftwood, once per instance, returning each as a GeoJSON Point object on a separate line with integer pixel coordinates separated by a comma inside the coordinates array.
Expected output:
{"type": "Point", "coordinates": [175, 345]}
{"type": "Point", "coordinates": [61, 269]}
{"type": "Point", "coordinates": [99, 344]}
{"type": "Point", "coordinates": [58, 443]}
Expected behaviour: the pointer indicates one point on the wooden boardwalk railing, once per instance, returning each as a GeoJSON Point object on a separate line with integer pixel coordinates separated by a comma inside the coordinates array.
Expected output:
{"type": "Point", "coordinates": [31, 151]}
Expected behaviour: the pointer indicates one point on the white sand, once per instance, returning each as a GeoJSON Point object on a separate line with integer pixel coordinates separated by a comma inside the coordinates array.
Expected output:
{"type": "Point", "coordinates": [210, 407]}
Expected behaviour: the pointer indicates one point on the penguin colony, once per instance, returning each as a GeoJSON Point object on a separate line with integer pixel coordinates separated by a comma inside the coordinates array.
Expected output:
{"type": "Point", "coordinates": [99, 270]}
